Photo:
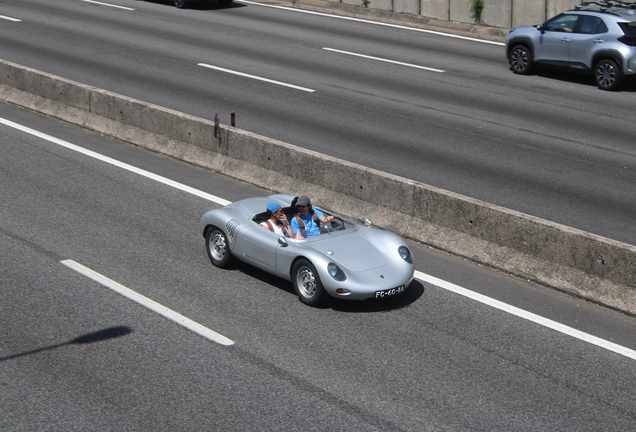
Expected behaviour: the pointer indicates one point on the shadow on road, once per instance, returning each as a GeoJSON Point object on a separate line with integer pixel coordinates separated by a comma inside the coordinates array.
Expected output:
{"type": "Point", "coordinates": [413, 292]}
{"type": "Point", "coordinates": [109, 333]}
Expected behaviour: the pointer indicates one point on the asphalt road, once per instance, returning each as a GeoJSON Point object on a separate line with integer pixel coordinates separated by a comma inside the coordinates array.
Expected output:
{"type": "Point", "coordinates": [440, 110]}
{"type": "Point", "coordinates": [75, 355]}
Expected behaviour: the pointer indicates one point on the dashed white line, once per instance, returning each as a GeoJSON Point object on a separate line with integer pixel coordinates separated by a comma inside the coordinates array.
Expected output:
{"type": "Point", "coordinates": [383, 60]}
{"type": "Point", "coordinates": [8, 18]}
{"type": "Point", "coordinates": [148, 303]}
{"type": "Point", "coordinates": [255, 77]}
{"type": "Point", "coordinates": [108, 4]}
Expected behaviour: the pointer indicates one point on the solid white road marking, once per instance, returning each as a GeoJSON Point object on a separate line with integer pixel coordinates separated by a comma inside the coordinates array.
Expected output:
{"type": "Point", "coordinates": [610, 346]}
{"type": "Point", "coordinates": [383, 60]}
{"type": "Point", "coordinates": [108, 4]}
{"type": "Point", "coordinates": [115, 162]}
{"type": "Point", "coordinates": [244, 75]}
{"type": "Point", "coordinates": [9, 18]}
{"type": "Point", "coordinates": [438, 33]}
{"type": "Point", "coordinates": [150, 304]}
{"type": "Point", "coordinates": [419, 275]}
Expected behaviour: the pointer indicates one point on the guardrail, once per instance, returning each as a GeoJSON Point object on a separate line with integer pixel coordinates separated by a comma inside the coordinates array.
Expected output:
{"type": "Point", "coordinates": [593, 267]}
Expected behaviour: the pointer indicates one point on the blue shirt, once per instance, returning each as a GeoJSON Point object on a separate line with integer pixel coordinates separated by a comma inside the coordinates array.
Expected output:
{"type": "Point", "coordinates": [310, 226]}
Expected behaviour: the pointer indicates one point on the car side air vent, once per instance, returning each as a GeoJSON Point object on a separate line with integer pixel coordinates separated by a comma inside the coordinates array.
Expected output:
{"type": "Point", "coordinates": [231, 226]}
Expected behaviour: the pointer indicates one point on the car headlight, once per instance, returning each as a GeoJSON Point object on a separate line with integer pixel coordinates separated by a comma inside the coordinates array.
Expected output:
{"type": "Point", "coordinates": [405, 253]}
{"type": "Point", "coordinates": [336, 272]}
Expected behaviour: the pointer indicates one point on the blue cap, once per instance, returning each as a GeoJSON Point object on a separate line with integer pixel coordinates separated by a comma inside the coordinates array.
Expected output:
{"type": "Point", "coordinates": [273, 207]}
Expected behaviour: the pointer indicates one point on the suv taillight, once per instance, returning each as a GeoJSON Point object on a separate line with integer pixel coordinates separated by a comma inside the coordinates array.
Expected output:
{"type": "Point", "coordinates": [628, 40]}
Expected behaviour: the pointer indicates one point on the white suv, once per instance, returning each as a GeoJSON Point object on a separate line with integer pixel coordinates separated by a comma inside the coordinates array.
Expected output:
{"type": "Point", "coordinates": [597, 38]}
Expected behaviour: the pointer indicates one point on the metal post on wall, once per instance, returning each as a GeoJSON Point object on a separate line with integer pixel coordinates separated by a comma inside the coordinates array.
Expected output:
{"type": "Point", "coordinates": [512, 13]}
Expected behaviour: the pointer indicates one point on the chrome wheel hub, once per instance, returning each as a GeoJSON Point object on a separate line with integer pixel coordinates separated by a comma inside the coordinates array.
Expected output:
{"type": "Point", "coordinates": [306, 282]}
{"type": "Point", "coordinates": [217, 246]}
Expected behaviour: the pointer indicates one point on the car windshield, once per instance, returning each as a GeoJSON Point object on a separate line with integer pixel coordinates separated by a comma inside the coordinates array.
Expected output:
{"type": "Point", "coordinates": [333, 227]}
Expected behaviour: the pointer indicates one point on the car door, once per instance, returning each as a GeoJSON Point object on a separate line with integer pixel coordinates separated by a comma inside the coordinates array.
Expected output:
{"type": "Point", "coordinates": [590, 35]}
{"type": "Point", "coordinates": [554, 42]}
{"type": "Point", "coordinates": [259, 246]}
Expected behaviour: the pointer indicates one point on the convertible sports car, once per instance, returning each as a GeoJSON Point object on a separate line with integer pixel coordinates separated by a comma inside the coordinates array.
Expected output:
{"type": "Point", "coordinates": [346, 261]}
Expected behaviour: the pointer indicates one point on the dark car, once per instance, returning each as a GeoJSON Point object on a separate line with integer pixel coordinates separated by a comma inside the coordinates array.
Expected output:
{"type": "Point", "coordinates": [185, 3]}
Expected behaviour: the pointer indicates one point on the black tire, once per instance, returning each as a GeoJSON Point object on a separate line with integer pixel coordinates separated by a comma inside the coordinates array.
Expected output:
{"type": "Point", "coordinates": [608, 75]}
{"type": "Point", "coordinates": [521, 60]}
{"type": "Point", "coordinates": [181, 4]}
{"type": "Point", "coordinates": [218, 247]}
{"type": "Point", "coordinates": [307, 283]}
{"type": "Point", "coordinates": [224, 3]}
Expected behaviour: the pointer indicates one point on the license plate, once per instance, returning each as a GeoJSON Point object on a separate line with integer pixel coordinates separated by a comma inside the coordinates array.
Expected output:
{"type": "Point", "coordinates": [390, 292]}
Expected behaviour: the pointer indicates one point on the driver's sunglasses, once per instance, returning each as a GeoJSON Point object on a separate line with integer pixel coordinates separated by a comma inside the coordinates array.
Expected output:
{"type": "Point", "coordinates": [299, 206]}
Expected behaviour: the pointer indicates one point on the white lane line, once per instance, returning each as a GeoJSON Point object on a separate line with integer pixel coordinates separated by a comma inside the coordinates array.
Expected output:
{"type": "Point", "coordinates": [108, 4]}
{"type": "Point", "coordinates": [205, 65]}
{"type": "Point", "coordinates": [383, 60]}
{"type": "Point", "coordinates": [610, 346]}
{"type": "Point", "coordinates": [117, 163]}
{"type": "Point", "coordinates": [401, 27]}
{"type": "Point", "coordinates": [150, 304]}
{"type": "Point", "coordinates": [9, 18]}
{"type": "Point", "coordinates": [419, 275]}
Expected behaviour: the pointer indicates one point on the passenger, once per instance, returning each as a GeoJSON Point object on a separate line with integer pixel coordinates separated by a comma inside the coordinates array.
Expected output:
{"type": "Point", "coordinates": [306, 223]}
{"type": "Point", "coordinates": [277, 221]}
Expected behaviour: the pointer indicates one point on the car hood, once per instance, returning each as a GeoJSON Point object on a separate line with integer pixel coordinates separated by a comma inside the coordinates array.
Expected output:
{"type": "Point", "coordinates": [354, 252]}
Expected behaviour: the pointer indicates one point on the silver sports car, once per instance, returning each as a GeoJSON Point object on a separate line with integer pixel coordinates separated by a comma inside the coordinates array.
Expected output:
{"type": "Point", "coordinates": [346, 261]}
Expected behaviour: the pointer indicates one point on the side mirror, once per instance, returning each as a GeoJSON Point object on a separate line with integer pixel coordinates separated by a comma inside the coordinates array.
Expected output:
{"type": "Point", "coordinates": [282, 241]}
{"type": "Point", "coordinates": [541, 28]}
{"type": "Point", "coordinates": [368, 222]}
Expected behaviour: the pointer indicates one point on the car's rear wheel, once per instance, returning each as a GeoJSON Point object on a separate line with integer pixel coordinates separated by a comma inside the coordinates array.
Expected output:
{"type": "Point", "coordinates": [181, 3]}
{"type": "Point", "coordinates": [608, 75]}
{"type": "Point", "coordinates": [521, 60]}
{"type": "Point", "coordinates": [307, 283]}
{"type": "Point", "coordinates": [218, 247]}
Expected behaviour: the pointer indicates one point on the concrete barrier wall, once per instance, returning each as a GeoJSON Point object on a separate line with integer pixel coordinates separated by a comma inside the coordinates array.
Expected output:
{"type": "Point", "coordinates": [438, 9]}
{"type": "Point", "coordinates": [496, 13]}
{"type": "Point", "coordinates": [584, 264]}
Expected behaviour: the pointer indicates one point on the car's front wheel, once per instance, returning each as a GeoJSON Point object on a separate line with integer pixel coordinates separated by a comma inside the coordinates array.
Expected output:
{"type": "Point", "coordinates": [608, 75]}
{"type": "Point", "coordinates": [521, 60]}
{"type": "Point", "coordinates": [218, 247]}
{"type": "Point", "coordinates": [307, 283]}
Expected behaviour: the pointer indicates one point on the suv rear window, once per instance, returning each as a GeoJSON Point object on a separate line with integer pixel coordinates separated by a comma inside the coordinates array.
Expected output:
{"type": "Point", "coordinates": [629, 28]}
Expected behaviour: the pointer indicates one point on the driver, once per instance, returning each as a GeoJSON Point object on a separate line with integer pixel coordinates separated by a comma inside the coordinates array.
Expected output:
{"type": "Point", "coordinates": [306, 223]}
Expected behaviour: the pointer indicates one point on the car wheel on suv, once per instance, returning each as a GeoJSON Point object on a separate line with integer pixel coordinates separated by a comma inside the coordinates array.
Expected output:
{"type": "Point", "coordinates": [521, 59]}
{"type": "Point", "coordinates": [608, 75]}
